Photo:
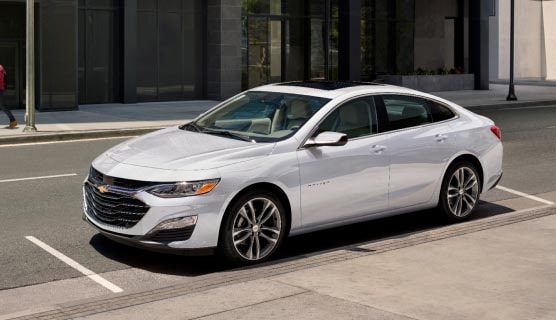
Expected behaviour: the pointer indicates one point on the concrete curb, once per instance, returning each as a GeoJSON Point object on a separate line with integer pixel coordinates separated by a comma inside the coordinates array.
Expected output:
{"type": "Point", "coordinates": [75, 135]}
{"type": "Point", "coordinates": [512, 105]}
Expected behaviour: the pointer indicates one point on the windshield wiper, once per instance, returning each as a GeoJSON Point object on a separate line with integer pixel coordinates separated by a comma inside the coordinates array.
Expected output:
{"type": "Point", "coordinates": [196, 127]}
{"type": "Point", "coordinates": [226, 133]}
{"type": "Point", "coordinates": [191, 125]}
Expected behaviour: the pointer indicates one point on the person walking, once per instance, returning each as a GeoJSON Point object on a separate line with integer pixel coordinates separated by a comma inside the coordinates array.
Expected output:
{"type": "Point", "coordinates": [7, 111]}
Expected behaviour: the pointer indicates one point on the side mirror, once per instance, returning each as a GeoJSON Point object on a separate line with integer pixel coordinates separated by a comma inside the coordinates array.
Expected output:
{"type": "Point", "coordinates": [327, 138]}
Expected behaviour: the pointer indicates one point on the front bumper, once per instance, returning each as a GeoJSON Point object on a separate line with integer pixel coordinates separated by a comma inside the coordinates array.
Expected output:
{"type": "Point", "coordinates": [203, 234]}
{"type": "Point", "coordinates": [142, 242]}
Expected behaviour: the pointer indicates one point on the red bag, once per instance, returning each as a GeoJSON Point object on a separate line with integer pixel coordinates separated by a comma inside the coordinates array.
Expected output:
{"type": "Point", "coordinates": [2, 78]}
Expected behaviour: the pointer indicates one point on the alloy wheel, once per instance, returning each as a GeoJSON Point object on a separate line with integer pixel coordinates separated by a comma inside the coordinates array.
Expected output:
{"type": "Point", "coordinates": [256, 229]}
{"type": "Point", "coordinates": [463, 192]}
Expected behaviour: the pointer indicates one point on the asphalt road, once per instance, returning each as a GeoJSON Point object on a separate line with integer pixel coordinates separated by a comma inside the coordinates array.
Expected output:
{"type": "Point", "coordinates": [50, 209]}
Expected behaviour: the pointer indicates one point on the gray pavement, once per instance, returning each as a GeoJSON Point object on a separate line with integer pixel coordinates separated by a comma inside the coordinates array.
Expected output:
{"type": "Point", "coordinates": [105, 120]}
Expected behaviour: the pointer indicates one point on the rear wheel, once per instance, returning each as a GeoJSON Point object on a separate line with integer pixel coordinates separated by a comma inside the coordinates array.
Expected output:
{"type": "Point", "coordinates": [460, 191]}
{"type": "Point", "coordinates": [254, 228]}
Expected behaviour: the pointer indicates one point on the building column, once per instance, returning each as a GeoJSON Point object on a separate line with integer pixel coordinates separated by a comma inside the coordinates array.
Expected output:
{"type": "Point", "coordinates": [223, 49]}
{"type": "Point", "coordinates": [130, 52]}
{"type": "Point", "coordinates": [349, 55]}
{"type": "Point", "coordinates": [58, 55]}
{"type": "Point", "coordinates": [478, 43]}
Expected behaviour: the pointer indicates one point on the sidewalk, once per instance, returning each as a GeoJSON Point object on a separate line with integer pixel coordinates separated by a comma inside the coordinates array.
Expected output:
{"type": "Point", "coordinates": [108, 120]}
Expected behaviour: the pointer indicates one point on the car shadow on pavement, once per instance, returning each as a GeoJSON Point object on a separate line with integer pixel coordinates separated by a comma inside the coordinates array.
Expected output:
{"type": "Point", "coordinates": [163, 263]}
{"type": "Point", "coordinates": [294, 248]}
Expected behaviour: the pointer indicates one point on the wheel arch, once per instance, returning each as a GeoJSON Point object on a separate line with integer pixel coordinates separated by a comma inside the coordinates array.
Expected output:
{"type": "Point", "coordinates": [470, 158]}
{"type": "Point", "coordinates": [261, 186]}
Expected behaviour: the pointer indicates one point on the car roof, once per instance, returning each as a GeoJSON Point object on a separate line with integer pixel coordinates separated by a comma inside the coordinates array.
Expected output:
{"type": "Point", "coordinates": [331, 89]}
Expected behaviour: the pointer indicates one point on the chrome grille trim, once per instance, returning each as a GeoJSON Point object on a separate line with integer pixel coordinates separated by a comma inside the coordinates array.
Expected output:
{"type": "Point", "coordinates": [116, 207]}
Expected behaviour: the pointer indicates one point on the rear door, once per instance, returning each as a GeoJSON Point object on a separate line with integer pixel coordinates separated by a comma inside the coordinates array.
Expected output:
{"type": "Point", "coordinates": [420, 144]}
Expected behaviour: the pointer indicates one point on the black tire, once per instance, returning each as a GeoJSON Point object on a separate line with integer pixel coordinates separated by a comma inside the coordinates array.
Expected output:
{"type": "Point", "coordinates": [233, 219]}
{"type": "Point", "coordinates": [456, 197]}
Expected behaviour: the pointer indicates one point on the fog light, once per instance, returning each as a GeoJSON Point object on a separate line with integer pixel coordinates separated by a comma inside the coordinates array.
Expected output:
{"type": "Point", "coordinates": [177, 223]}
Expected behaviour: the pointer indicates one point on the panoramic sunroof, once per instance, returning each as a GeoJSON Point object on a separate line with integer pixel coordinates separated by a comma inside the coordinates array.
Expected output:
{"type": "Point", "coordinates": [327, 85]}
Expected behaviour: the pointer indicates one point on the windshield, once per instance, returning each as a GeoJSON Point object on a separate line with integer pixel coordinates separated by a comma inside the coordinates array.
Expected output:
{"type": "Point", "coordinates": [259, 116]}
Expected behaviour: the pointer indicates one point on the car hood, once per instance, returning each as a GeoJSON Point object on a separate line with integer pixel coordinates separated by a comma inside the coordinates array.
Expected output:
{"type": "Point", "coordinates": [176, 149]}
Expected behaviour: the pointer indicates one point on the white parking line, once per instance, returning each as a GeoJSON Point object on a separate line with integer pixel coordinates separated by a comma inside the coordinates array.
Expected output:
{"type": "Point", "coordinates": [525, 195]}
{"type": "Point", "coordinates": [72, 263]}
{"type": "Point", "coordinates": [38, 178]}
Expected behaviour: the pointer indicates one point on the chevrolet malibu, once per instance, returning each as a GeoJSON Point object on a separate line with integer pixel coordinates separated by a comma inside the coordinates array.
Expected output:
{"type": "Point", "coordinates": [291, 158]}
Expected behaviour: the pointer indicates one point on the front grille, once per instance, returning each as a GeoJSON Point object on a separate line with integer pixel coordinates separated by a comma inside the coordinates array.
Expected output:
{"type": "Point", "coordinates": [171, 235]}
{"type": "Point", "coordinates": [113, 208]}
{"type": "Point", "coordinates": [97, 176]}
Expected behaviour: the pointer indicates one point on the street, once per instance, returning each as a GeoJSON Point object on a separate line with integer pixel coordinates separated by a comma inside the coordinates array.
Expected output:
{"type": "Point", "coordinates": [41, 197]}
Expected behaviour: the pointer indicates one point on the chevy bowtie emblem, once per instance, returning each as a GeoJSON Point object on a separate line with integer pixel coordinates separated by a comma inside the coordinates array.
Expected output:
{"type": "Point", "coordinates": [102, 189]}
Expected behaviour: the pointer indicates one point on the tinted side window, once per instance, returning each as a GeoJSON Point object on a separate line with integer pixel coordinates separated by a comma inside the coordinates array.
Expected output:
{"type": "Point", "coordinates": [356, 118]}
{"type": "Point", "coordinates": [405, 111]}
{"type": "Point", "coordinates": [440, 112]}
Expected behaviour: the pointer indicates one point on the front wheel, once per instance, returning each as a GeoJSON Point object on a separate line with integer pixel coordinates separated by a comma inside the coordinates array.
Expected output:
{"type": "Point", "coordinates": [460, 191]}
{"type": "Point", "coordinates": [253, 228]}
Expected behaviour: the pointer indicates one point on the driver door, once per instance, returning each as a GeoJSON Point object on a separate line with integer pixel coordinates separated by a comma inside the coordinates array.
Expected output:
{"type": "Point", "coordinates": [350, 181]}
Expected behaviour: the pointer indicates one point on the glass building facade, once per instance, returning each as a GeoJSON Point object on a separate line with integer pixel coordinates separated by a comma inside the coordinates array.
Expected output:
{"type": "Point", "coordinates": [116, 51]}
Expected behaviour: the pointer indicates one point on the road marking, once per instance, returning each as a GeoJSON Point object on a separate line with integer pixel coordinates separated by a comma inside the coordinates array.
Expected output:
{"type": "Point", "coordinates": [64, 141]}
{"type": "Point", "coordinates": [39, 178]}
{"type": "Point", "coordinates": [525, 195]}
{"type": "Point", "coordinates": [72, 263]}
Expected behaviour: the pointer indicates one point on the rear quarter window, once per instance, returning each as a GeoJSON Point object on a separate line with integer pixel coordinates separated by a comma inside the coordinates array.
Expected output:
{"type": "Point", "coordinates": [440, 112]}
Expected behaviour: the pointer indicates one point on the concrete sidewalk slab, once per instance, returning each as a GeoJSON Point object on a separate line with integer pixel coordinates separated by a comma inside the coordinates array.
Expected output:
{"type": "Point", "coordinates": [503, 273]}
{"type": "Point", "coordinates": [210, 302]}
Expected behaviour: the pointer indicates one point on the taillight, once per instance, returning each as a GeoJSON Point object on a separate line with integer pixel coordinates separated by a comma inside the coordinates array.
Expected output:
{"type": "Point", "coordinates": [496, 132]}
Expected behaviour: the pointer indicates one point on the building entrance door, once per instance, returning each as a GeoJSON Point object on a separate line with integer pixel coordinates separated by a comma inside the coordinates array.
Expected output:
{"type": "Point", "coordinates": [266, 50]}
{"type": "Point", "coordinates": [9, 59]}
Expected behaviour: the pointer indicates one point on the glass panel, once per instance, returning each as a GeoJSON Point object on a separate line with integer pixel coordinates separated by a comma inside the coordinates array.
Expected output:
{"type": "Point", "coordinates": [257, 6]}
{"type": "Point", "coordinates": [333, 41]}
{"type": "Point", "coordinates": [387, 28]}
{"type": "Point", "coordinates": [147, 57]}
{"type": "Point", "coordinates": [405, 112]}
{"type": "Point", "coordinates": [295, 41]}
{"type": "Point", "coordinates": [275, 57]}
{"type": "Point", "coordinates": [146, 5]}
{"type": "Point", "coordinates": [170, 55]}
{"type": "Point", "coordinates": [192, 50]}
{"type": "Point", "coordinates": [258, 51]}
{"type": "Point", "coordinates": [169, 5]}
{"type": "Point", "coordinates": [262, 116]}
{"type": "Point", "coordinates": [440, 112]}
{"type": "Point", "coordinates": [317, 49]}
{"type": "Point", "coordinates": [81, 56]}
{"type": "Point", "coordinates": [103, 58]}
{"type": "Point", "coordinates": [275, 7]}
{"type": "Point", "coordinates": [355, 118]}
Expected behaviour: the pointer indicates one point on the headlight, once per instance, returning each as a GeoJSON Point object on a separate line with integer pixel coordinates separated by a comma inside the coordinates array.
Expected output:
{"type": "Point", "coordinates": [183, 189]}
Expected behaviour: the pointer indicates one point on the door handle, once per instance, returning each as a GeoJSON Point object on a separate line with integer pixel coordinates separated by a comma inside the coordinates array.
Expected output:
{"type": "Point", "coordinates": [440, 137]}
{"type": "Point", "coordinates": [377, 148]}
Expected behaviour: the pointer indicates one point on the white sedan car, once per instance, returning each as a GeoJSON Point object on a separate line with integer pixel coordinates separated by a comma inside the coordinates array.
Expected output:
{"type": "Point", "coordinates": [291, 158]}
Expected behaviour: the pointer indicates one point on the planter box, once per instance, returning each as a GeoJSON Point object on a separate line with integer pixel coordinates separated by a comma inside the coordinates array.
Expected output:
{"type": "Point", "coordinates": [427, 83]}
